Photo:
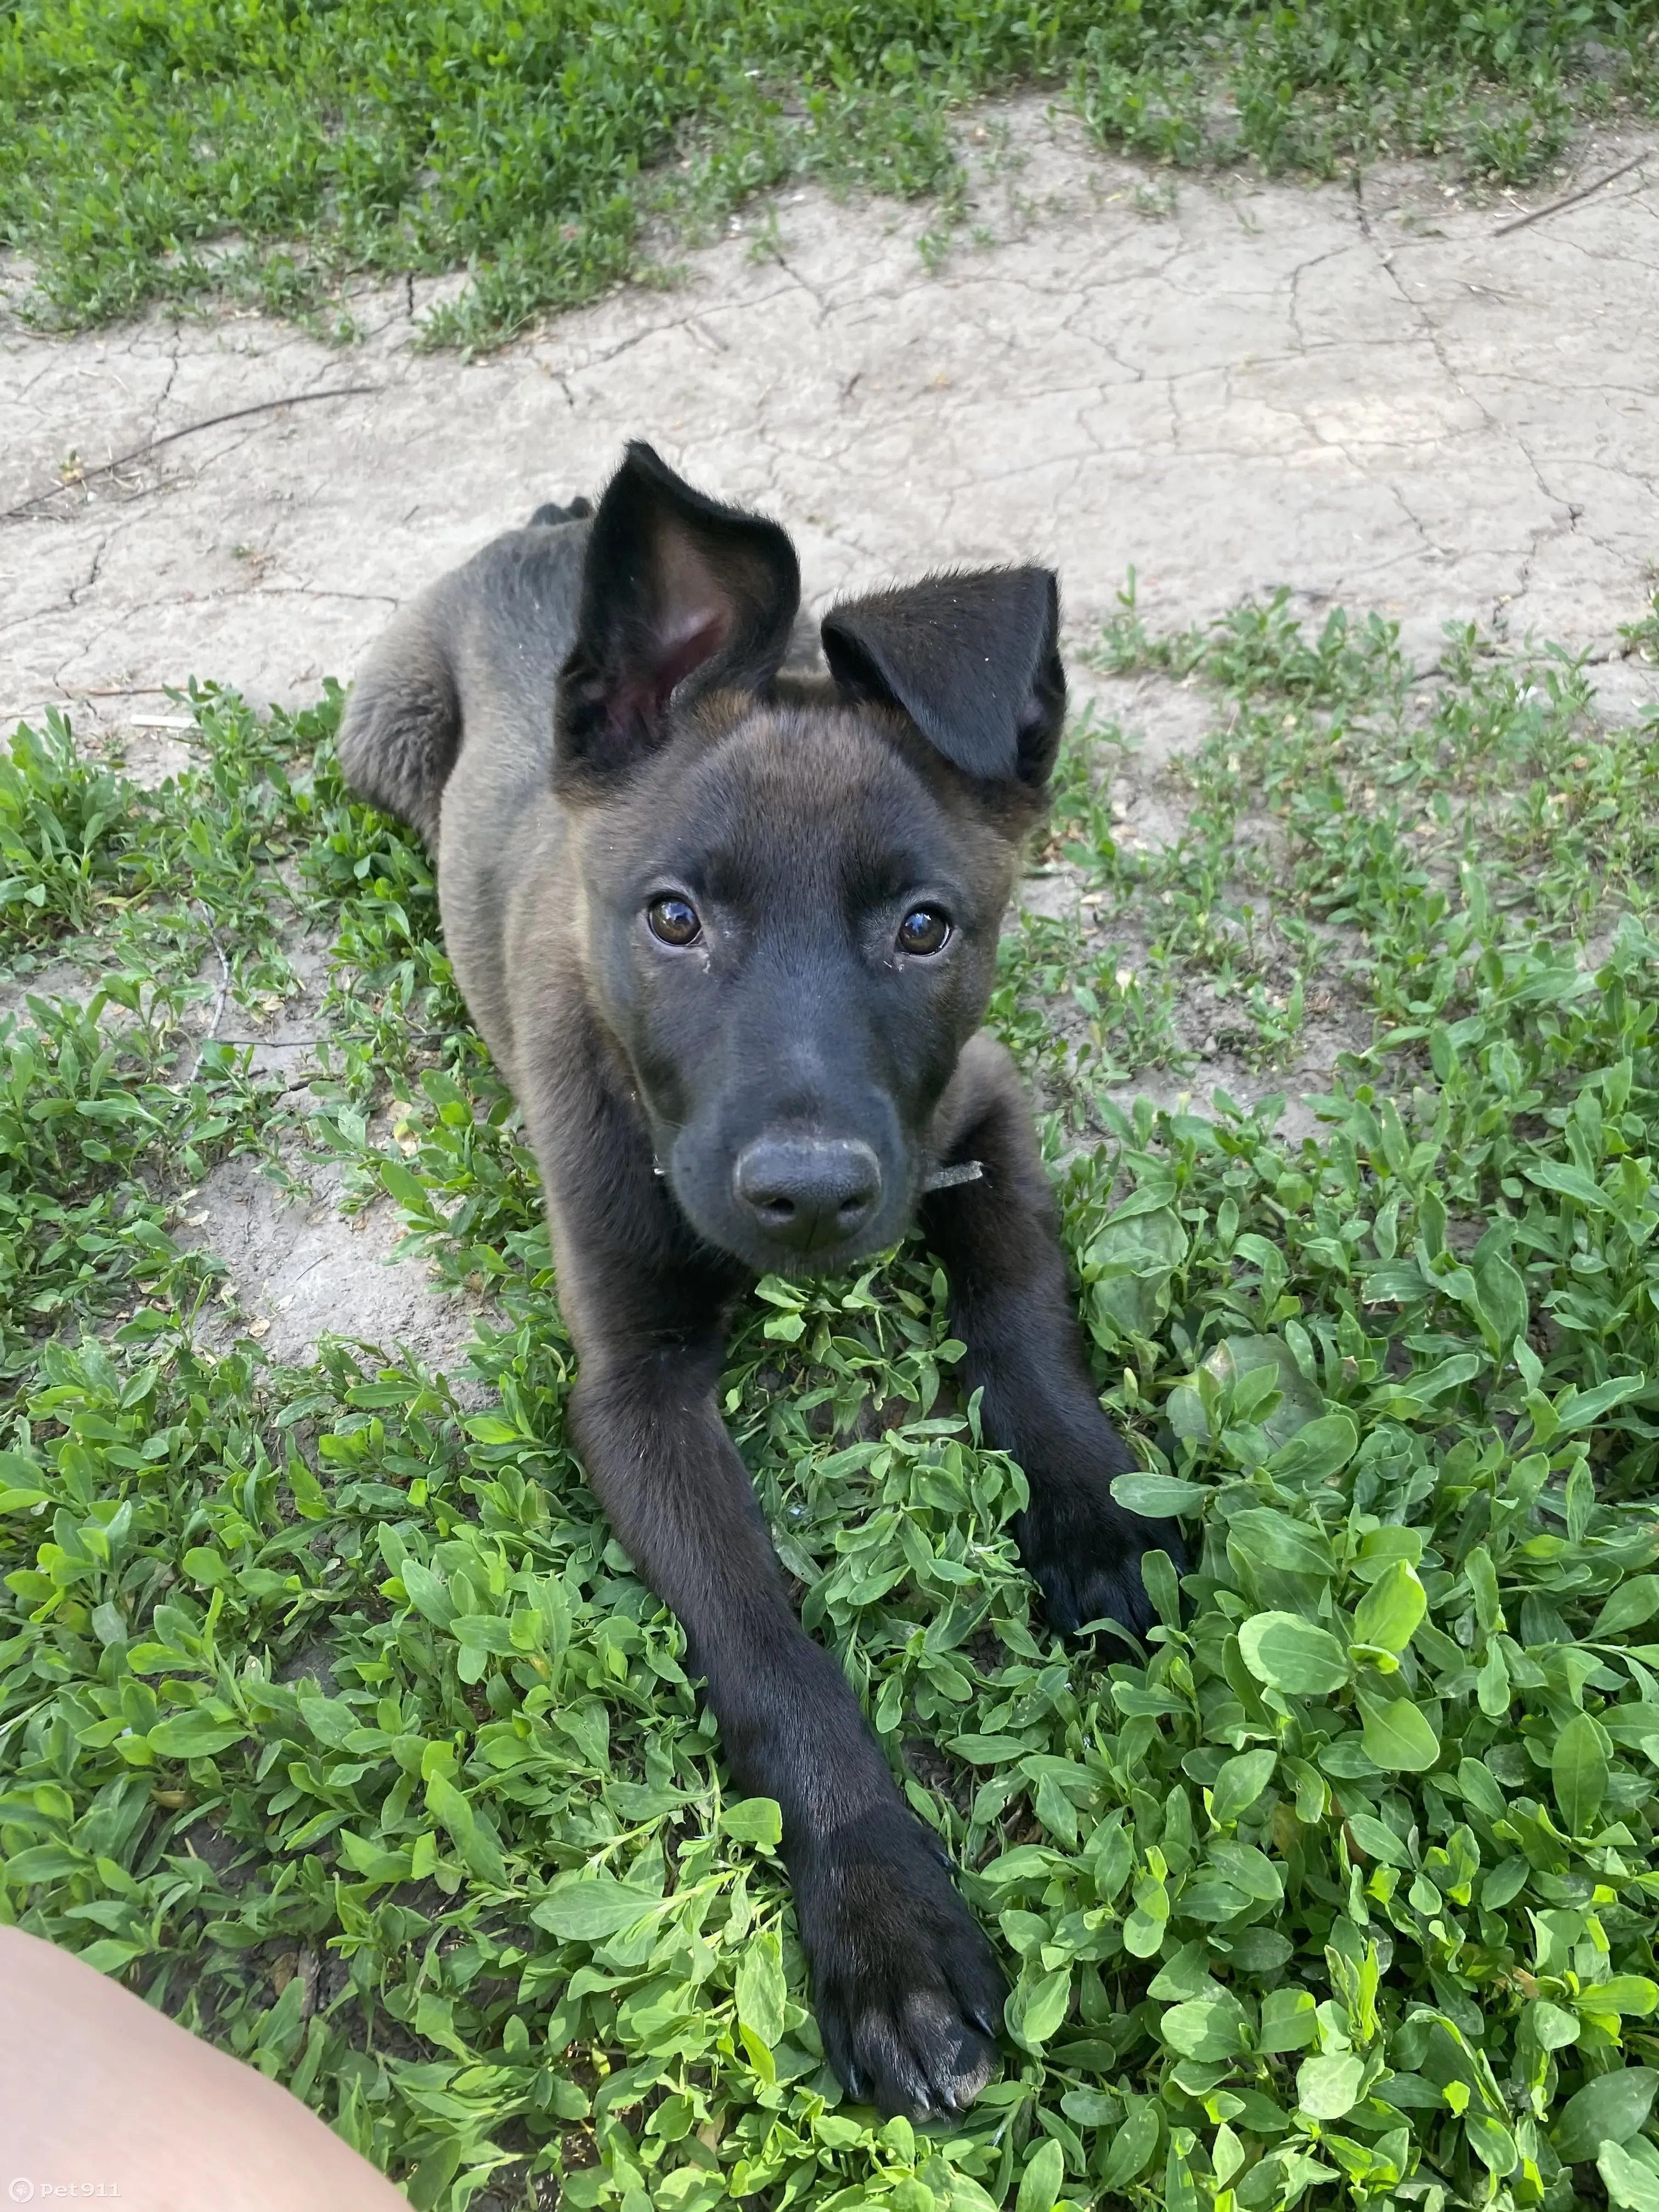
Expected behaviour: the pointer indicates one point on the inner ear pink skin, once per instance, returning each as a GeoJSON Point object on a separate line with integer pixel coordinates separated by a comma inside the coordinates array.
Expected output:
{"type": "Point", "coordinates": [695, 640]}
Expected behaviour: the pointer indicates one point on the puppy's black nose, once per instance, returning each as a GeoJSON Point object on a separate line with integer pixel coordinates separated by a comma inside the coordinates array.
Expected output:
{"type": "Point", "coordinates": [805, 1191]}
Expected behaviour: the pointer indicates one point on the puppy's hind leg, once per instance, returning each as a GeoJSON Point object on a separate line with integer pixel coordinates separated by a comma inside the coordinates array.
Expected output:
{"type": "Point", "coordinates": [402, 726]}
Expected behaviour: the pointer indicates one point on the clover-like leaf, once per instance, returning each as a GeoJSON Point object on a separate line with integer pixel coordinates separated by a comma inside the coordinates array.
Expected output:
{"type": "Point", "coordinates": [1613, 2108]}
{"type": "Point", "coordinates": [1293, 1654]}
{"type": "Point", "coordinates": [1578, 1773]}
{"type": "Point", "coordinates": [1392, 1609]}
{"type": "Point", "coordinates": [1396, 1736]}
{"type": "Point", "coordinates": [1327, 2087]}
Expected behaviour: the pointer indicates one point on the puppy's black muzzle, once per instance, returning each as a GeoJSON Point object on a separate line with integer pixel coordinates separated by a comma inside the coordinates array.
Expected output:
{"type": "Point", "coordinates": [807, 1194]}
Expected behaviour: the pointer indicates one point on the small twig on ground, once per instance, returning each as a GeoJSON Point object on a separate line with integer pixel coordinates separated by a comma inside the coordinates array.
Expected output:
{"type": "Point", "coordinates": [1568, 199]}
{"type": "Point", "coordinates": [189, 430]}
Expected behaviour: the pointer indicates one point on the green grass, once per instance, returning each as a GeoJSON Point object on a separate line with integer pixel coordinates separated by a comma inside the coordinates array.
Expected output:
{"type": "Point", "coordinates": [332, 1720]}
{"type": "Point", "coordinates": [188, 150]}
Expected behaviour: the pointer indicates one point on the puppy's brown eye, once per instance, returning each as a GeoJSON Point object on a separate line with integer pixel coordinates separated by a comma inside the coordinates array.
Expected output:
{"type": "Point", "coordinates": [924, 930]}
{"type": "Point", "coordinates": [674, 921]}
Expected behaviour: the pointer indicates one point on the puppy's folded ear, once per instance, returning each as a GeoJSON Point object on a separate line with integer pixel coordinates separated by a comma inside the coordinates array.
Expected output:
{"type": "Point", "coordinates": [973, 660]}
{"type": "Point", "coordinates": [679, 595]}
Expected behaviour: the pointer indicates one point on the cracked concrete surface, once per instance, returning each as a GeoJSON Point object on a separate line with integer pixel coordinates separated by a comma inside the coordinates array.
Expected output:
{"type": "Point", "coordinates": [1365, 393]}
{"type": "Point", "coordinates": [1370, 396]}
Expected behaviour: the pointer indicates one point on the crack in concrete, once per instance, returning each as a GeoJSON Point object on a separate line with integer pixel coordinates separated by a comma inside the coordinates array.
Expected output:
{"type": "Point", "coordinates": [93, 571]}
{"type": "Point", "coordinates": [1436, 339]}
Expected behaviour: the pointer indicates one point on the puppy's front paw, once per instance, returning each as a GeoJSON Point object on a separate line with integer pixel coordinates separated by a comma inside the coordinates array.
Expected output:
{"type": "Point", "coordinates": [908, 1992]}
{"type": "Point", "coordinates": [1083, 1549]}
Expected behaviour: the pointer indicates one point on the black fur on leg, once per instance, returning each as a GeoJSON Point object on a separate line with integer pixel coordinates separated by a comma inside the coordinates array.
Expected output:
{"type": "Point", "coordinates": [1012, 1306]}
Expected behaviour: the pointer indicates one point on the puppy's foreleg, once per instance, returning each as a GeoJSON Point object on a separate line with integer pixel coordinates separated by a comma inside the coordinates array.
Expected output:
{"type": "Point", "coordinates": [907, 1991]}
{"type": "Point", "coordinates": [1011, 1304]}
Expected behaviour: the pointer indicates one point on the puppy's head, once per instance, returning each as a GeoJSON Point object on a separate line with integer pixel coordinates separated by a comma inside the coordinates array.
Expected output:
{"type": "Point", "coordinates": [793, 892]}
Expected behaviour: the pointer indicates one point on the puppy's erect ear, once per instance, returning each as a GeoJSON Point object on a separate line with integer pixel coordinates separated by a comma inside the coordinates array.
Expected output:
{"type": "Point", "coordinates": [679, 594]}
{"type": "Point", "coordinates": [973, 660]}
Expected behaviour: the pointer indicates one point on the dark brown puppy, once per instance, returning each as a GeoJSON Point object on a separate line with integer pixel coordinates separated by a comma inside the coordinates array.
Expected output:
{"type": "Point", "coordinates": [730, 937]}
